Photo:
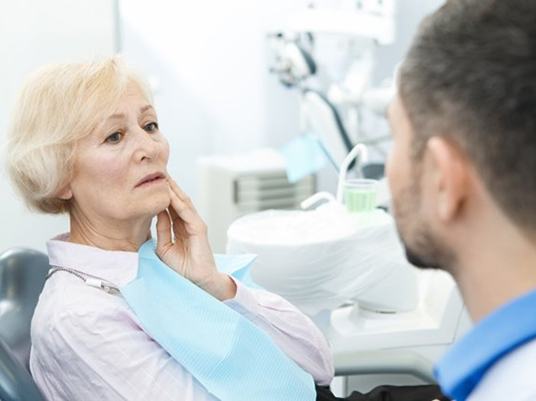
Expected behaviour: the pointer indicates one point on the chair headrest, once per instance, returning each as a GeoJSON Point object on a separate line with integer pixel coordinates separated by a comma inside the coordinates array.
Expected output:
{"type": "Point", "coordinates": [22, 276]}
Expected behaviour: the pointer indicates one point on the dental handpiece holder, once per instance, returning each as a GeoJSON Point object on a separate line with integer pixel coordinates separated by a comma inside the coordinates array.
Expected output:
{"type": "Point", "coordinates": [357, 194]}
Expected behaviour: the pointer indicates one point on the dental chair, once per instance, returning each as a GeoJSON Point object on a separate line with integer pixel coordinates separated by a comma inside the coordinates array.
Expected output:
{"type": "Point", "coordinates": [22, 276]}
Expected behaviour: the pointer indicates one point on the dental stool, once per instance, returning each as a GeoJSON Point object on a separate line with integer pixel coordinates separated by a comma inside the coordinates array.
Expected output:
{"type": "Point", "coordinates": [22, 276]}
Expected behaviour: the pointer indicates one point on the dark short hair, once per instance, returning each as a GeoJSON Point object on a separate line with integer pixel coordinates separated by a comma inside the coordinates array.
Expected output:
{"type": "Point", "coordinates": [470, 75]}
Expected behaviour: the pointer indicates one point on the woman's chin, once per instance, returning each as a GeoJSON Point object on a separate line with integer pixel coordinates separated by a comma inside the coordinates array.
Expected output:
{"type": "Point", "coordinates": [156, 205]}
{"type": "Point", "coordinates": [158, 210]}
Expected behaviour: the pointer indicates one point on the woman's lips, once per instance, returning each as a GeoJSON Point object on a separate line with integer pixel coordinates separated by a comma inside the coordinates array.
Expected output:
{"type": "Point", "coordinates": [150, 180]}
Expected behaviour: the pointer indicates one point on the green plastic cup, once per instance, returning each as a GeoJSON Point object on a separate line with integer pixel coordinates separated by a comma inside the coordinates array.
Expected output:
{"type": "Point", "coordinates": [360, 195]}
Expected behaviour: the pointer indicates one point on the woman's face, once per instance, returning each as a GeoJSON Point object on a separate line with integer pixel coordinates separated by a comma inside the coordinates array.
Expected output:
{"type": "Point", "coordinates": [120, 168]}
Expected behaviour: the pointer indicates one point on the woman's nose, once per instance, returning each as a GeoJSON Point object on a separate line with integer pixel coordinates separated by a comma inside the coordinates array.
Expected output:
{"type": "Point", "coordinates": [146, 146]}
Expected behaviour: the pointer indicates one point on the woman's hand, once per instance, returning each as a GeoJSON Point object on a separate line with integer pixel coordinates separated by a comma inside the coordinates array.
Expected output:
{"type": "Point", "coordinates": [189, 253]}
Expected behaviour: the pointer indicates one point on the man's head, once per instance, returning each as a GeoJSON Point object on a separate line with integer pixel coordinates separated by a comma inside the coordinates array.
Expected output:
{"type": "Point", "coordinates": [464, 124]}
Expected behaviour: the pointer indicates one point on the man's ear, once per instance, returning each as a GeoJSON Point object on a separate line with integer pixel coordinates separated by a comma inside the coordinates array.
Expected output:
{"type": "Point", "coordinates": [449, 176]}
{"type": "Point", "coordinates": [65, 193]}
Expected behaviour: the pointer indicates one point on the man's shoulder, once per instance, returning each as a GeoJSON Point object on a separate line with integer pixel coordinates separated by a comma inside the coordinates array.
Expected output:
{"type": "Point", "coordinates": [510, 378]}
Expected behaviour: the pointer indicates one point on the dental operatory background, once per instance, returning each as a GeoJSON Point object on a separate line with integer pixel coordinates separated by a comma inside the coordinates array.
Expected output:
{"type": "Point", "coordinates": [262, 101]}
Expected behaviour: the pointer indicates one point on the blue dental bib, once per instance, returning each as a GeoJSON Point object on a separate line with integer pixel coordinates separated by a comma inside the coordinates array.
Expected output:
{"type": "Point", "coordinates": [230, 356]}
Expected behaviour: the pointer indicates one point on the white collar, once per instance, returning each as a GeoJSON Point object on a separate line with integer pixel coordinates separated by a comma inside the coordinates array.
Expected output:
{"type": "Point", "coordinates": [118, 267]}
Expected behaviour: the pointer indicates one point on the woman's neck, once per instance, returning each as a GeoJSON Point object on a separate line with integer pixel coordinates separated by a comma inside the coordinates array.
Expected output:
{"type": "Point", "coordinates": [108, 234]}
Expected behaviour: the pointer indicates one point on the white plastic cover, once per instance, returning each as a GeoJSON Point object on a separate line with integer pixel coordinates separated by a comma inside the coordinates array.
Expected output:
{"type": "Point", "coordinates": [318, 259]}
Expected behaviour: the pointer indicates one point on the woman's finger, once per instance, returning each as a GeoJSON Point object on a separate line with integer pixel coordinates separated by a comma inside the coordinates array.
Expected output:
{"type": "Point", "coordinates": [179, 228]}
{"type": "Point", "coordinates": [182, 209]}
{"type": "Point", "coordinates": [185, 198]}
{"type": "Point", "coordinates": [184, 212]}
{"type": "Point", "coordinates": [163, 231]}
{"type": "Point", "coordinates": [178, 191]}
{"type": "Point", "coordinates": [187, 214]}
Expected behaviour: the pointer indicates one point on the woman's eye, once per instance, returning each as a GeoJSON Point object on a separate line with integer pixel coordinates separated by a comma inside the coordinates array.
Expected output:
{"type": "Point", "coordinates": [114, 138]}
{"type": "Point", "coordinates": [151, 127]}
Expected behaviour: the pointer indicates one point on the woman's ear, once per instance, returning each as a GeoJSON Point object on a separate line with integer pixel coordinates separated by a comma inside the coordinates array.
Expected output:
{"type": "Point", "coordinates": [65, 193]}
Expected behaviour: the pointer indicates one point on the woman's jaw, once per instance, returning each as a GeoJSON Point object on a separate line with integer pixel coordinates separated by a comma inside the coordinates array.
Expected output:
{"type": "Point", "coordinates": [114, 234]}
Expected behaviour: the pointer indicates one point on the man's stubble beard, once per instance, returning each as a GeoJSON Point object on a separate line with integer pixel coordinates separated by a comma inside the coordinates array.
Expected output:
{"type": "Point", "coordinates": [422, 248]}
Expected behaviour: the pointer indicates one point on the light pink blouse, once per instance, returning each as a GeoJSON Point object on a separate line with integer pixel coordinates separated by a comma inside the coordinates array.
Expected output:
{"type": "Point", "coordinates": [88, 345]}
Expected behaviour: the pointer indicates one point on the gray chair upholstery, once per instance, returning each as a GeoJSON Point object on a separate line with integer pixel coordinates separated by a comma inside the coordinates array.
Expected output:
{"type": "Point", "coordinates": [16, 384]}
{"type": "Point", "coordinates": [22, 276]}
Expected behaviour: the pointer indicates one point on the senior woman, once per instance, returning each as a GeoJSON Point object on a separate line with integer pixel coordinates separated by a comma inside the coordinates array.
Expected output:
{"type": "Point", "coordinates": [85, 141]}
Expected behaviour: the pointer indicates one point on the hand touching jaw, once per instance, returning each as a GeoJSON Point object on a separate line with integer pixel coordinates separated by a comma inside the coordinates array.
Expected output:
{"type": "Point", "coordinates": [182, 243]}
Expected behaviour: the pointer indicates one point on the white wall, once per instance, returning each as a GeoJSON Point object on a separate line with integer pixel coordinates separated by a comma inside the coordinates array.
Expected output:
{"type": "Point", "coordinates": [214, 93]}
{"type": "Point", "coordinates": [409, 14]}
{"type": "Point", "coordinates": [33, 33]}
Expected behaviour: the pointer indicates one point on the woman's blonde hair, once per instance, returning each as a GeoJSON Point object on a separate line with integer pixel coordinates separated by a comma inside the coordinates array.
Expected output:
{"type": "Point", "coordinates": [59, 105]}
